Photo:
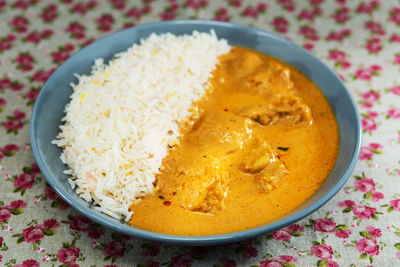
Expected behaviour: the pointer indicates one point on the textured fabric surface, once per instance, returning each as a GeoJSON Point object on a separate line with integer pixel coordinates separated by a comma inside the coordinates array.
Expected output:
{"type": "Point", "coordinates": [360, 226]}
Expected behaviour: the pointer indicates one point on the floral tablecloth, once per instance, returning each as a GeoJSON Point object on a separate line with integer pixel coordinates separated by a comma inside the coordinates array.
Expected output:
{"type": "Point", "coordinates": [360, 226]}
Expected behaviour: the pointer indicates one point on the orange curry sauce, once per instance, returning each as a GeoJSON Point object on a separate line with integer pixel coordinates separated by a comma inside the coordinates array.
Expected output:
{"type": "Point", "coordinates": [260, 142]}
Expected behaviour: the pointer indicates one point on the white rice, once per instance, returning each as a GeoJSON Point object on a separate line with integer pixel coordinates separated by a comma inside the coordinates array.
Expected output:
{"type": "Point", "coordinates": [123, 116]}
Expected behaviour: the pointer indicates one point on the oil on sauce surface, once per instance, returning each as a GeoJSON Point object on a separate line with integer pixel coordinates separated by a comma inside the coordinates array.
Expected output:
{"type": "Point", "coordinates": [259, 144]}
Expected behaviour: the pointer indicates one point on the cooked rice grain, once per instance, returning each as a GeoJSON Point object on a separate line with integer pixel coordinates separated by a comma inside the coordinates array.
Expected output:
{"type": "Point", "coordinates": [116, 127]}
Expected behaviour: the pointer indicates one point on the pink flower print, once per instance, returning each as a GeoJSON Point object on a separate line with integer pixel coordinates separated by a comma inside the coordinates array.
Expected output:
{"type": "Point", "coordinates": [42, 75]}
{"type": "Point", "coordinates": [394, 113]}
{"type": "Point", "coordinates": [394, 38]}
{"type": "Point", "coordinates": [63, 53]}
{"type": "Point", "coordinates": [76, 30]}
{"type": "Point", "coordinates": [373, 45]}
{"type": "Point", "coordinates": [331, 263]}
{"type": "Point", "coordinates": [287, 258]}
{"type": "Point", "coordinates": [28, 263]}
{"type": "Point", "coordinates": [376, 196]}
{"type": "Point", "coordinates": [337, 55]}
{"type": "Point", "coordinates": [150, 249]}
{"type": "Point", "coordinates": [134, 13]}
{"type": "Point", "coordinates": [49, 13]}
{"type": "Point", "coordinates": [322, 251]}
{"type": "Point", "coordinates": [365, 185]}
{"type": "Point", "coordinates": [368, 124]}
{"type": "Point", "coordinates": [309, 14]}
{"type": "Point", "coordinates": [262, 7]}
{"type": "Point", "coordinates": [19, 24]}
{"type": "Point", "coordinates": [6, 42]}
{"type": "Point", "coordinates": [196, 4]}
{"type": "Point", "coordinates": [51, 223]}
{"type": "Point", "coordinates": [370, 96]}
{"type": "Point", "coordinates": [395, 204]}
{"type": "Point", "coordinates": [80, 8]}
{"type": "Point", "coordinates": [24, 61]}
{"type": "Point", "coordinates": [367, 73]}
{"type": "Point", "coordinates": [68, 255]}
{"type": "Point", "coordinates": [118, 4]}
{"type": "Point", "coordinates": [104, 22]}
{"type": "Point", "coordinates": [18, 114]}
{"type": "Point", "coordinates": [95, 231]}
{"type": "Point", "coordinates": [375, 146]}
{"type": "Point", "coordinates": [287, 5]}
{"type": "Point", "coordinates": [324, 225]}
{"type": "Point", "coordinates": [368, 7]}
{"type": "Point", "coordinates": [114, 249]}
{"type": "Point", "coordinates": [13, 125]}
{"type": "Point", "coordinates": [168, 15]}
{"type": "Point", "coordinates": [367, 246]}
{"type": "Point", "coordinates": [339, 36]}
{"type": "Point", "coordinates": [364, 212]}
{"type": "Point", "coordinates": [343, 233]}
{"type": "Point", "coordinates": [33, 37]}
{"type": "Point", "coordinates": [374, 27]}
{"type": "Point", "coordinates": [280, 24]}
{"type": "Point", "coordinates": [341, 15]}
{"type": "Point", "coordinates": [347, 204]}
{"type": "Point", "coordinates": [23, 4]}
{"type": "Point", "coordinates": [235, 3]}
{"type": "Point", "coordinates": [374, 232]}
{"type": "Point", "coordinates": [395, 15]}
{"type": "Point", "coordinates": [182, 260]}
{"type": "Point", "coordinates": [222, 14]}
{"type": "Point", "coordinates": [308, 46]}
{"type": "Point", "coordinates": [46, 33]}
{"type": "Point", "coordinates": [32, 234]}
{"type": "Point", "coordinates": [368, 151]}
{"type": "Point", "coordinates": [250, 11]}
{"type": "Point", "coordinates": [50, 193]}
{"type": "Point", "coordinates": [80, 223]}
{"type": "Point", "coordinates": [271, 263]}
{"type": "Point", "coordinates": [11, 148]}
{"type": "Point", "coordinates": [309, 33]}
{"type": "Point", "coordinates": [5, 214]}
{"type": "Point", "coordinates": [24, 181]}
{"type": "Point", "coordinates": [18, 204]}
{"type": "Point", "coordinates": [295, 228]}
{"type": "Point", "coordinates": [395, 89]}
{"type": "Point", "coordinates": [5, 83]}
{"type": "Point", "coordinates": [250, 252]}
{"type": "Point", "coordinates": [280, 235]}
{"type": "Point", "coordinates": [396, 59]}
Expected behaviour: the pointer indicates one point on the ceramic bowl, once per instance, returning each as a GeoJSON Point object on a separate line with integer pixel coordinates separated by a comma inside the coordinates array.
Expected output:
{"type": "Point", "coordinates": [50, 104]}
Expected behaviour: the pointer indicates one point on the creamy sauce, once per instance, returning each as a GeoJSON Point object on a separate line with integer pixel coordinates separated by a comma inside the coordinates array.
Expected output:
{"type": "Point", "coordinates": [259, 144]}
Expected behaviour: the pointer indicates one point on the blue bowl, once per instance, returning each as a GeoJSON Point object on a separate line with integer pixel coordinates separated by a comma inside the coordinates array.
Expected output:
{"type": "Point", "coordinates": [49, 109]}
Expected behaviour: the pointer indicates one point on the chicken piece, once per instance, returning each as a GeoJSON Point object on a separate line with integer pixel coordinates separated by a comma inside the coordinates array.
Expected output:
{"type": "Point", "coordinates": [269, 81]}
{"type": "Point", "coordinates": [204, 189]}
{"type": "Point", "coordinates": [201, 175]}
{"type": "Point", "coordinates": [280, 110]}
{"type": "Point", "coordinates": [245, 64]}
{"type": "Point", "coordinates": [220, 132]}
{"type": "Point", "coordinates": [260, 160]}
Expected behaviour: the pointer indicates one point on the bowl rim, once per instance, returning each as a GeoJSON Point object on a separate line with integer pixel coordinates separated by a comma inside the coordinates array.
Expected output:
{"type": "Point", "coordinates": [195, 240]}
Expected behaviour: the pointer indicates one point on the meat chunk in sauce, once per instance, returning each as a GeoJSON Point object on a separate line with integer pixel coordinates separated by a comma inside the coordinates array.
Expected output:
{"type": "Point", "coordinates": [203, 189]}
{"type": "Point", "coordinates": [260, 160]}
{"type": "Point", "coordinates": [282, 110]}
{"type": "Point", "coordinates": [201, 183]}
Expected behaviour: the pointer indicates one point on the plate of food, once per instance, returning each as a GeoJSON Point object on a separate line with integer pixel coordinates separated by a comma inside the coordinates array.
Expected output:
{"type": "Point", "coordinates": [195, 132]}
